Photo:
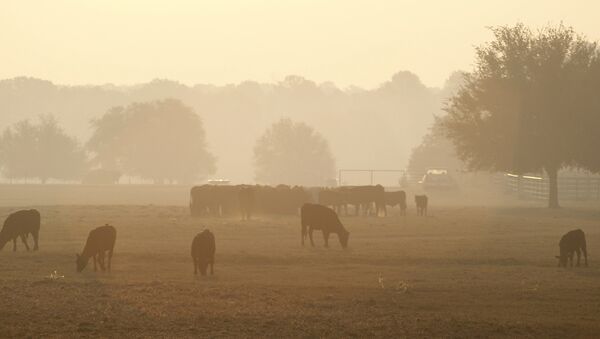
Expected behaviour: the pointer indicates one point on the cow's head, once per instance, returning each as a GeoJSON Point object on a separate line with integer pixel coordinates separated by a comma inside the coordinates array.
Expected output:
{"type": "Point", "coordinates": [80, 262]}
{"type": "Point", "coordinates": [344, 235]}
{"type": "Point", "coordinates": [3, 240]}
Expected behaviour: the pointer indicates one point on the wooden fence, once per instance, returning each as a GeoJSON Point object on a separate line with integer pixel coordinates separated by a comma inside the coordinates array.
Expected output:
{"type": "Point", "coordinates": [534, 188]}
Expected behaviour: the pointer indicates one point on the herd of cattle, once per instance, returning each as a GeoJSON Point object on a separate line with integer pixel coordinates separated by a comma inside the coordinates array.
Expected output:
{"type": "Point", "coordinates": [246, 200]}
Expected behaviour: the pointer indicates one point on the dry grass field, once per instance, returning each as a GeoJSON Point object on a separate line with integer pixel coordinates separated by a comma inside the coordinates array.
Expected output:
{"type": "Point", "coordinates": [460, 272]}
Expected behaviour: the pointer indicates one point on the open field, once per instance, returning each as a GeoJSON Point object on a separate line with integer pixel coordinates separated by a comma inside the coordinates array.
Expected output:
{"type": "Point", "coordinates": [463, 271]}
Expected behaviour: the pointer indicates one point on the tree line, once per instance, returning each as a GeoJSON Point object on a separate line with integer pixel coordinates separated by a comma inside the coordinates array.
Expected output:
{"type": "Point", "coordinates": [389, 118]}
{"type": "Point", "coordinates": [529, 104]}
{"type": "Point", "coordinates": [162, 141]}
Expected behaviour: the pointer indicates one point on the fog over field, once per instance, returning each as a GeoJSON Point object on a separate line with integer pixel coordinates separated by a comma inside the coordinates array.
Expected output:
{"type": "Point", "coordinates": [374, 128]}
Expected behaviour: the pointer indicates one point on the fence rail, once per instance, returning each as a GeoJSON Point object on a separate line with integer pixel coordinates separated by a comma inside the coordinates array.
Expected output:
{"type": "Point", "coordinates": [537, 188]}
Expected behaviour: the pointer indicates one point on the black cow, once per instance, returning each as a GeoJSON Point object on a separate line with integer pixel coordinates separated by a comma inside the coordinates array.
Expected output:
{"type": "Point", "coordinates": [333, 198]}
{"type": "Point", "coordinates": [421, 201]}
{"type": "Point", "coordinates": [364, 197]}
{"type": "Point", "coordinates": [396, 198]}
{"type": "Point", "coordinates": [203, 252]}
{"type": "Point", "coordinates": [573, 241]}
{"type": "Point", "coordinates": [20, 224]}
{"type": "Point", "coordinates": [100, 241]}
{"type": "Point", "coordinates": [319, 217]}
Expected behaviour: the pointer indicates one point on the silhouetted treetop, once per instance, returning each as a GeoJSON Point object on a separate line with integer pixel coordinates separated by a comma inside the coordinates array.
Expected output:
{"type": "Point", "coordinates": [293, 153]}
{"type": "Point", "coordinates": [522, 107]}
{"type": "Point", "coordinates": [43, 151]}
{"type": "Point", "coordinates": [159, 140]}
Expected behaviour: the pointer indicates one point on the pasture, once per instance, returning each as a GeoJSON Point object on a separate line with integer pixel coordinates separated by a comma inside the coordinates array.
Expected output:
{"type": "Point", "coordinates": [459, 272]}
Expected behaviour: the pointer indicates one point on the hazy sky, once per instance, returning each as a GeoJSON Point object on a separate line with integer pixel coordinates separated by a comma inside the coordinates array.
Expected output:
{"type": "Point", "coordinates": [348, 42]}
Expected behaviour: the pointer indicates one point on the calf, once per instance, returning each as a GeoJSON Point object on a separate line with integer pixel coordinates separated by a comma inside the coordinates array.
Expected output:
{"type": "Point", "coordinates": [396, 198]}
{"type": "Point", "coordinates": [203, 252]}
{"type": "Point", "coordinates": [99, 241]}
{"type": "Point", "coordinates": [421, 201]}
{"type": "Point", "coordinates": [573, 241]}
{"type": "Point", "coordinates": [319, 217]}
{"type": "Point", "coordinates": [20, 224]}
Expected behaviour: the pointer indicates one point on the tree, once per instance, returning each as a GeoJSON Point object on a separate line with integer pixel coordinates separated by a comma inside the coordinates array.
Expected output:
{"type": "Point", "coordinates": [434, 151]}
{"type": "Point", "coordinates": [293, 153]}
{"type": "Point", "coordinates": [521, 109]}
{"type": "Point", "coordinates": [159, 140]}
{"type": "Point", "coordinates": [42, 151]}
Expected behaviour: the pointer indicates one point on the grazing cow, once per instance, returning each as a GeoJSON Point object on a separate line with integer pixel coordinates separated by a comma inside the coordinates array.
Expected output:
{"type": "Point", "coordinates": [396, 198]}
{"type": "Point", "coordinates": [421, 201]}
{"type": "Point", "coordinates": [246, 201]}
{"type": "Point", "coordinates": [318, 217]}
{"type": "Point", "coordinates": [203, 252]}
{"type": "Point", "coordinates": [573, 241]}
{"type": "Point", "coordinates": [99, 241]}
{"type": "Point", "coordinates": [20, 224]}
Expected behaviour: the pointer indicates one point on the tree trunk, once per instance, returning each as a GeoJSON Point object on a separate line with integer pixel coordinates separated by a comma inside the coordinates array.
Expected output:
{"type": "Point", "coordinates": [553, 189]}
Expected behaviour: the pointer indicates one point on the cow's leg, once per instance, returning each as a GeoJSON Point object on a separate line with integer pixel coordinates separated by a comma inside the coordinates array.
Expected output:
{"type": "Point", "coordinates": [578, 251]}
{"type": "Point", "coordinates": [571, 258]}
{"type": "Point", "coordinates": [14, 244]}
{"type": "Point", "coordinates": [212, 266]}
{"type": "Point", "coordinates": [303, 234]}
{"type": "Point", "coordinates": [110, 254]}
{"type": "Point", "coordinates": [95, 267]}
{"type": "Point", "coordinates": [585, 255]}
{"type": "Point", "coordinates": [195, 266]}
{"type": "Point", "coordinates": [326, 238]}
{"type": "Point", "coordinates": [203, 266]}
{"type": "Point", "coordinates": [310, 233]}
{"type": "Point", "coordinates": [101, 260]}
{"type": "Point", "coordinates": [24, 240]}
{"type": "Point", "coordinates": [35, 236]}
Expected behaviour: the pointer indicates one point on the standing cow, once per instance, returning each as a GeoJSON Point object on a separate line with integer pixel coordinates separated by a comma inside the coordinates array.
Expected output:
{"type": "Point", "coordinates": [203, 252]}
{"type": "Point", "coordinates": [100, 241]}
{"type": "Point", "coordinates": [573, 241]}
{"type": "Point", "coordinates": [318, 217]}
{"type": "Point", "coordinates": [421, 201]}
{"type": "Point", "coordinates": [20, 224]}
{"type": "Point", "coordinates": [396, 198]}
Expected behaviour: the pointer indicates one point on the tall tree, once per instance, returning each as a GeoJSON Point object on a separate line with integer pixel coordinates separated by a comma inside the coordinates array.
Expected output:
{"type": "Point", "coordinates": [293, 153]}
{"type": "Point", "coordinates": [159, 140]}
{"type": "Point", "coordinates": [436, 150]}
{"type": "Point", "coordinates": [41, 150]}
{"type": "Point", "coordinates": [522, 106]}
